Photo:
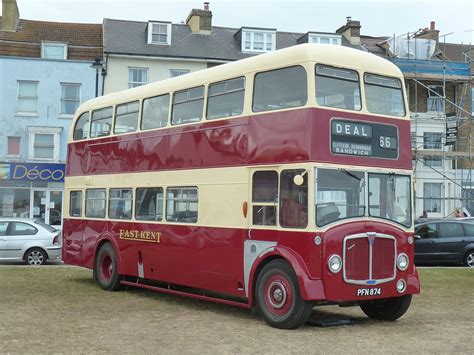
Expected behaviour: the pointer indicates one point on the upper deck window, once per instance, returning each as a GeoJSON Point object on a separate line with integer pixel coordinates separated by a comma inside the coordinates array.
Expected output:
{"type": "Point", "coordinates": [155, 112]}
{"type": "Point", "coordinates": [384, 95]}
{"type": "Point", "coordinates": [188, 105]}
{"type": "Point", "coordinates": [226, 98]}
{"type": "Point", "coordinates": [126, 117]}
{"type": "Point", "coordinates": [337, 87]}
{"type": "Point", "coordinates": [101, 122]}
{"type": "Point", "coordinates": [81, 130]}
{"type": "Point", "coordinates": [281, 88]}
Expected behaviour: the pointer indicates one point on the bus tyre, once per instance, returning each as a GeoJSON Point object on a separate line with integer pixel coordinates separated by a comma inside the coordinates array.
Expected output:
{"type": "Point", "coordinates": [106, 268]}
{"type": "Point", "coordinates": [278, 297]}
{"type": "Point", "coordinates": [387, 309]}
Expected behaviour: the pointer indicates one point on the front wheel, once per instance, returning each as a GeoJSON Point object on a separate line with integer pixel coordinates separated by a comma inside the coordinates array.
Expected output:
{"type": "Point", "coordinates": [387, 309]}
{"type": "Point", "coordinates": [106, 268]}
{"type": "Point", "coordinates": [278, 297]}
{"type": "Point", "coordinates": [469, 259]}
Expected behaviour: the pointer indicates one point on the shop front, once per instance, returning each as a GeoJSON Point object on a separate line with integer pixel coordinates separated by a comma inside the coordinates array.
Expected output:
{"type": "Point", "coordinates": [32, 190]}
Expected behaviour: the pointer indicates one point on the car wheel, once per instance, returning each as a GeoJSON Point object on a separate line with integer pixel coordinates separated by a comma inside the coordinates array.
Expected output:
{"type": "Point", "coordinates": [106, 268]}
{"type": "Point", "coordinates": [469, 259]}
{"type": "Point", "coordinates": [35, 256]}
{"type": "Point", "coordinates": [386, 309]}
{"type": "Point", "coordinates": [278, 297]}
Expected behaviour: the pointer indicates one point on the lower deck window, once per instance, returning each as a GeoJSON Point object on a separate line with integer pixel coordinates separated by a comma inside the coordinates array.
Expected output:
{"type": "Point", "coordinates": [149, 204]}
{"type": "Point", "coordinates": [264, 198]}
{"type": "Point", "coordinates": [120, 203]}
{"type": "Point", "coordinates": [182, 204]}
{"type": "Point", "coordinates": [95, 203]}
{"type": "Point", "coordinates": [75, 204]}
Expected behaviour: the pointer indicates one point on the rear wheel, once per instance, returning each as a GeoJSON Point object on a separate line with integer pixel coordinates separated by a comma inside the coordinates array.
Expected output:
{"type": "Point", "coordinates": [106, 268]}
{"type": "Point", "coordinates": [278, 297]}
{"type": "Point", "coordinates": [469, 259]}
{"type": "Point", "coordinates": [387, 309]}
{"type": "Point", "coordinates": [35, 256]}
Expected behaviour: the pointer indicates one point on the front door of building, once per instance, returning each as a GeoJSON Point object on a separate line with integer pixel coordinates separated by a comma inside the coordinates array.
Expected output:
{"type": "Point", "coordinates": [48, 206]}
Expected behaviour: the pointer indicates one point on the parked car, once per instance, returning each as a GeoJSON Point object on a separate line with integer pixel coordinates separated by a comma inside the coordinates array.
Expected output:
{"type": "Point", "coordinates": [449, 241]}
{"type": "Point", "coordinates": [28, 240]}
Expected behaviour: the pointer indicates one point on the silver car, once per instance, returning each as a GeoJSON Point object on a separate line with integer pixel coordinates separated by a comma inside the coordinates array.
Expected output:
{"type": "Point", "coordinates": [28, 240]}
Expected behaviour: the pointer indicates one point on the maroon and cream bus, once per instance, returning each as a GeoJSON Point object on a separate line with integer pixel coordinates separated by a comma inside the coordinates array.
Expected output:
{"type": "Point", "coordinates": [278, 182]}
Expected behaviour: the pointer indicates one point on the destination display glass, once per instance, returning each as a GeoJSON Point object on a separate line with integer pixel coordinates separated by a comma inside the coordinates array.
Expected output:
{"type": "Point", "coordinates": [364, 139]}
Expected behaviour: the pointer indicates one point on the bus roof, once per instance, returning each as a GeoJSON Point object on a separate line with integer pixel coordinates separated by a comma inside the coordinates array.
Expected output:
{"type": "Point", "coordinates": [322, 53]}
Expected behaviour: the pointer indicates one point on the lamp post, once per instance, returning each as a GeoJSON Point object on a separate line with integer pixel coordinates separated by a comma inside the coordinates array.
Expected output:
{"type": "Point", "coordinates": [98, 66]}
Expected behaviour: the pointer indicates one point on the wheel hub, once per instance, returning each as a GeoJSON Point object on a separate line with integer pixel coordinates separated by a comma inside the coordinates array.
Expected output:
{"type": "Point", "coordinates": [277, 294]}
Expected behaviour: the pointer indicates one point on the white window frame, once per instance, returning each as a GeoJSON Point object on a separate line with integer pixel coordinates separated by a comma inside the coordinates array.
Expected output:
{"type": "Point", "coordinates": [436, 98]}
{"type": "Point", "coordinates": [68, 115]}
{"type": "Point", "coordinates": [13, 155]}
{"type": "Point", "coordinates": [168, 33]}
{"type": "Point", "coordinates": [180, 71]}
{"type": "Point", "coordinates": [266, 34]}
{"type": "Point", "coordinates": [54, 44]}
{"type": "Point", "coordinates": [24, 113]}
{"type": "Point", "coordinates": [316, 38]}
{"type": "Point", "coordinates": [55, 131]}
{"type": "Point", "coordinates": [138, 82]}
{"type": "Point", "coordinates": [437, 133]}
{"type": "Point", "coordinates": [440, 198]}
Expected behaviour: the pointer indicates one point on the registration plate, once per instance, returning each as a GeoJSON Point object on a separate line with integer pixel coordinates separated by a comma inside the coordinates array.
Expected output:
{"type": "Point", "coordinates": [373, 291]}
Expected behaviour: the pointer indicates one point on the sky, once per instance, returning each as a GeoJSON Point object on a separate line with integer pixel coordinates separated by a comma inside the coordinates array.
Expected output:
{"type": "Point", "coordinates": [454, 18]}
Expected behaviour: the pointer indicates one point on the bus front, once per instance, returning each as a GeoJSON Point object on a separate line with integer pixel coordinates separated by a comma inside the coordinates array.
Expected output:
{"type": "Point", "coordinates": [363, 195]}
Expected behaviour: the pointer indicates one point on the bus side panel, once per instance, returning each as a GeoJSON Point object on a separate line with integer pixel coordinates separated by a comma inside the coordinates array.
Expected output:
{"type": "Point", "coordinates": [72, 241]}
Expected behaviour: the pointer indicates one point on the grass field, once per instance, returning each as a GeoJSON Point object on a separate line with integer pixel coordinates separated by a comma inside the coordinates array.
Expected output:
{"type": "Point", "coordinates": [60, 309]}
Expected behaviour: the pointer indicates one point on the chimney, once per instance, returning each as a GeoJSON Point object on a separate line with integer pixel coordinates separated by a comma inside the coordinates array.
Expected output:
{"type": "Point", "coordinates": [350, 31]}
{"type": "Point", "coordinates": [10, 16]}
{"type": "Point", "coordinates": [200, 21]}
{"type": "Point", "coordinates": [429, 33]}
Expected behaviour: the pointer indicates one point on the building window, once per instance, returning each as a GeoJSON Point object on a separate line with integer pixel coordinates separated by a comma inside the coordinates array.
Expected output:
{"type": "Point", "coordinates": [54, 50]}
{"type": "Point", "coordinates": [435, 101]}
{"type": "Point", "coordinates": [178, 72]}
{"type": "Point", "coordinates": [13, 146]}
{"type": "Point", "coordinates": [159, 33]}
{"type": "Point", "coordinates": [258, 41]}
{"type": "Point", "coordinates": [433, 162]}
{"type": "Point", "coordinates": [432, 197]}
{"type": "Point", "coordinates": [137, 77]}
{"type": "Point", "coordinates": [432, 140]}
{"type": "Point", "coordinates": [27, 97]}
{"type": "Point", "coordinates": [324, 38]}
{"type": "Point", "coordinates": [44, 143]}
{"type": "Point", "coordinates": [14, 202]}
{"type": "Point", "coordinates": [70, 98]}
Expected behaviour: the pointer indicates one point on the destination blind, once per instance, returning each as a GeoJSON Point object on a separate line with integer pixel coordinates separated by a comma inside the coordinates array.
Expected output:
{"type": "Point", "coordinates": [364, 139]}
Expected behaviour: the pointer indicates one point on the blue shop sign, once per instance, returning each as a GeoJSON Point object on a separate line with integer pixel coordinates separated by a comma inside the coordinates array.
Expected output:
{"type": "Point", "coordinates": [32, 172]}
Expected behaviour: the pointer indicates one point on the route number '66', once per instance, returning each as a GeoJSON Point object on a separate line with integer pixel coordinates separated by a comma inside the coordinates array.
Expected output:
{"type": "Point", "coordinates": [388, 142]}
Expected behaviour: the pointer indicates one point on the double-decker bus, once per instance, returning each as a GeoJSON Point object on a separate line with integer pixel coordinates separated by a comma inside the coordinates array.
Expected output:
{"type": "Point", "coordinates": [276, 183]}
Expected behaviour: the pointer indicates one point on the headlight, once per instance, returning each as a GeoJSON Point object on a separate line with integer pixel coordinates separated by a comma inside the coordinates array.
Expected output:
{"type": "Point", "coordinates": [402, 262]}
{"type": "Point", "coordinates": [335, 263]}
{"type": "Point", "coordinates": [401, 286]}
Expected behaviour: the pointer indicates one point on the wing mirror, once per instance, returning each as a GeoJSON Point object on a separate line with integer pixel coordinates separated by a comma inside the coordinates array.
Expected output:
{"type": "Point", "coordinates": [417, 236]}
{"type": "Point", "coordinates": [298, 180]}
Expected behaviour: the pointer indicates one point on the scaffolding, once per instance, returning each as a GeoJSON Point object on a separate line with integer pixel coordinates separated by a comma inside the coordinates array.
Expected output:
{"type": "Point", "coordinates": [459, 173]}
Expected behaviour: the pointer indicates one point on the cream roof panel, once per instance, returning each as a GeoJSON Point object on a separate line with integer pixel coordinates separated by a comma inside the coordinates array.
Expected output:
{"type": "Point", "coordinates": [322, 53]}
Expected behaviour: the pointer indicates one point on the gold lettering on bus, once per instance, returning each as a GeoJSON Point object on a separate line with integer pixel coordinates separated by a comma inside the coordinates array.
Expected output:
{"type": "Point", "coordinates": [144, 236]}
